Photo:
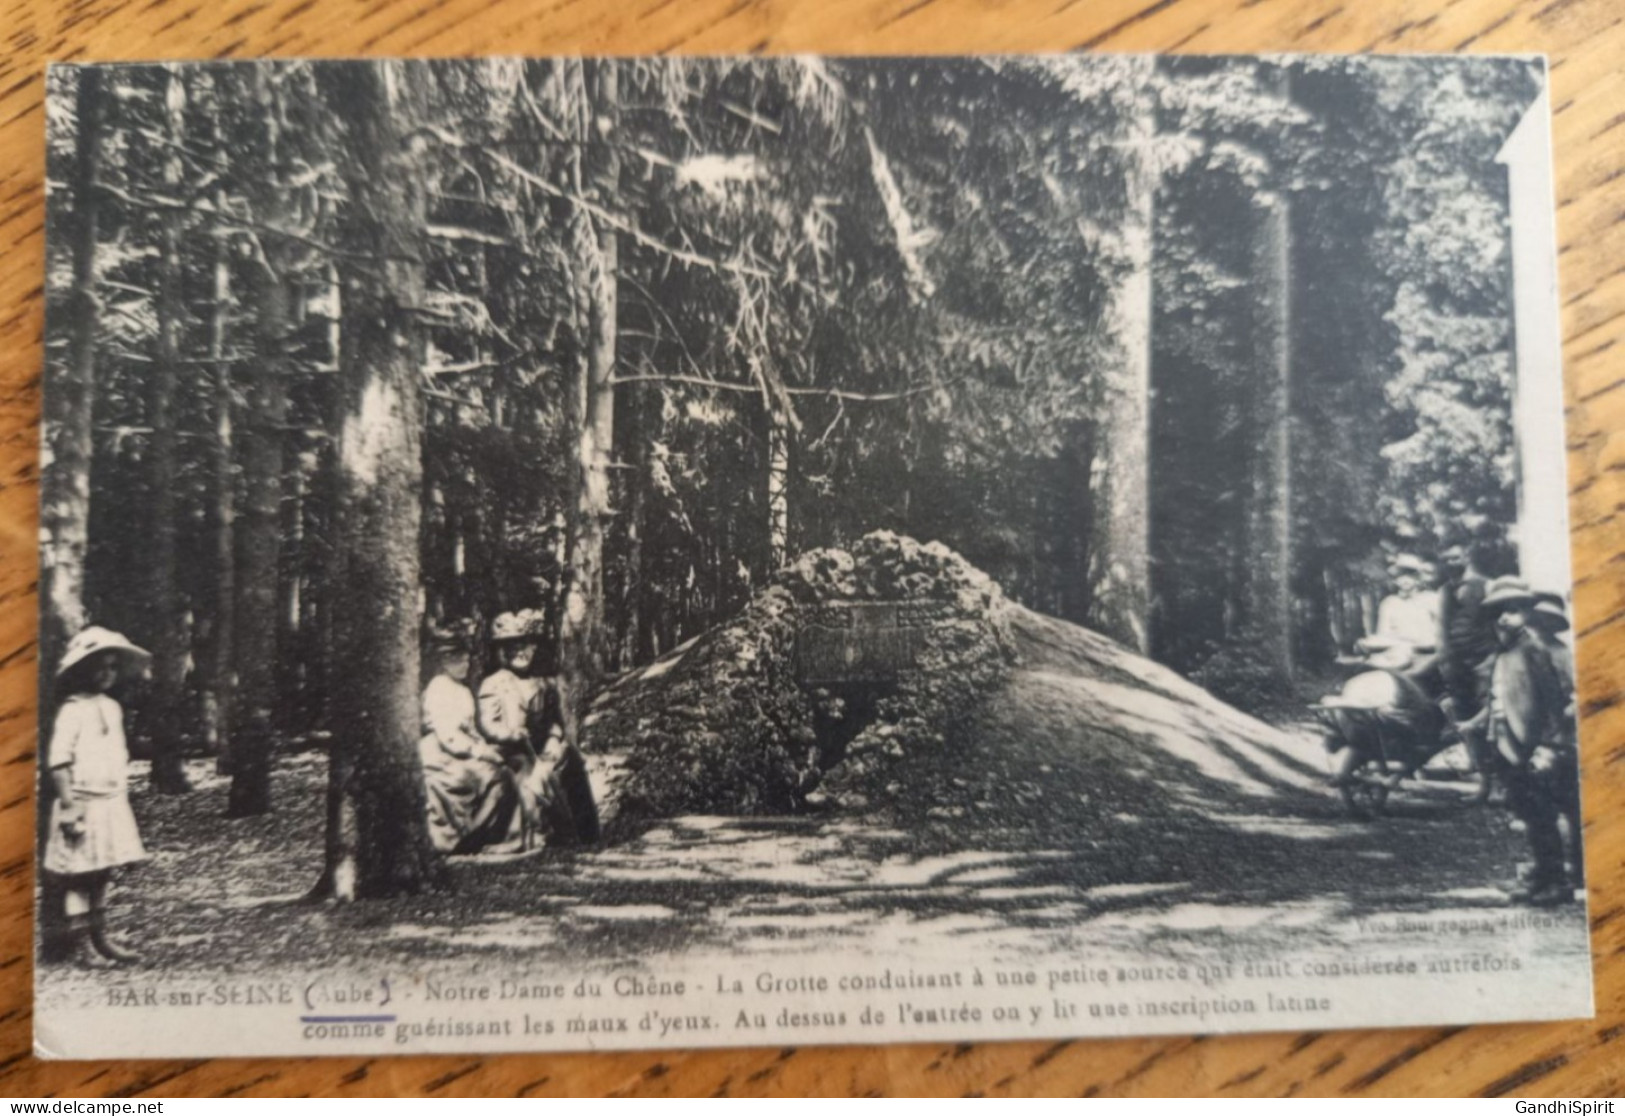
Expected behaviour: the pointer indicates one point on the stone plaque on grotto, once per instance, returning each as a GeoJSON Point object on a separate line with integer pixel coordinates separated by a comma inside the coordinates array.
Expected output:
{"type": "Point", "coordinates": [861, 642]}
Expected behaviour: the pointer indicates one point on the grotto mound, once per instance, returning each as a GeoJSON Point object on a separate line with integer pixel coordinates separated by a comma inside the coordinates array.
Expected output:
{"type": "Point", "coordinates": [1003, 712]}
{"type": "Point", "coordinates": [725, 724]}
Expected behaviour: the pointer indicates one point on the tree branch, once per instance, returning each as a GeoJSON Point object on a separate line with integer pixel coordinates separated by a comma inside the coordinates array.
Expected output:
{"type": "Point", "coordinates": [863, 396]}
{"type": "Point", "coordinates": [450, 398]}
{"type": "Point", "coordinates": [631, 230]}
{"type": "Point", "coordinates": [467, 366]}
{"type": "Point", "coordinates": [460, 232]}
{"type": "Point", "coordinates": [755, 389]}
{"type": "Point", "coordinates": [679, 378]}
{"type": "Point", "coordinates": [162, 203]}
{"type": "Point", "coordinates": [751, 116]}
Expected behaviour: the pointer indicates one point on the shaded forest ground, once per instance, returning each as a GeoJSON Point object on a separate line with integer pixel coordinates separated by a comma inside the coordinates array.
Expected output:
{"type": "Point", "coordinates": [1097, 799]}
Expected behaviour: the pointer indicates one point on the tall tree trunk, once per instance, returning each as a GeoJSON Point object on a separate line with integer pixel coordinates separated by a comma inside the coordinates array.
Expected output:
{"type": "Point", "coordinates": [558, 586]}
{"type": "Point", "coordinates": [379, 839]}
{"type": "Point", "coordinates": [631, 605]}
{"type": "Point", "coordinates": [69, 403]}
{"type": "Point", "coordinates": [170, 643]}
{"type": "Point", "coordinates": [639, 602]}
{"type": "Point", "coordinates": [1119, 484]}
{"type": "Point", "coordinates": [778, 487]}
{"type": "Point", "coordinates": [260, 536]}
{"type": "Point", "coordinates": [1076, 467]}
{"type": "Point", "coordinates": [318, 512]}
{"type": "Point", "coordinates": [596, 251]}
{"type": "Point", "coordinates": [317, 619]}
{"type": "Point", "coordinates": [1316, 632]}
{"type": "Point", "coordinates": [1268, 562]}
{"type": "Point", "coordinates": [221, 680]}
{"type": "Point", "coordinates": [296, 661]}
{"type": "Point", "coordinates": [67, 447]}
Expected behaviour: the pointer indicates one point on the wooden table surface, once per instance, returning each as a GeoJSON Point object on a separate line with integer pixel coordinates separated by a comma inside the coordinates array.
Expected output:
{"type": "Point", "coordinates": [1585, 40]}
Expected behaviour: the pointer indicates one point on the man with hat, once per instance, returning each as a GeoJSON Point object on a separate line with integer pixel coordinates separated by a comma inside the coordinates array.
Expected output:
{"type": "Point", "coordinates": [1521, 722]}
{"type": "Point", "coordinates": [1467, 640]}
{"type": "Point", "coordinates": [1548, 620]}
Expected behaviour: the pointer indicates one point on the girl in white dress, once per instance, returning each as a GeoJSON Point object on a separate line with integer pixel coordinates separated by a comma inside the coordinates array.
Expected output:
{"type": "Point", "coordinates": [93, 830]}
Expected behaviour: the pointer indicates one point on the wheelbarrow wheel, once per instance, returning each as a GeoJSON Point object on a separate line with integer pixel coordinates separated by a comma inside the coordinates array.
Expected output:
{"type": "Point", "coordinates": [1365, 796]}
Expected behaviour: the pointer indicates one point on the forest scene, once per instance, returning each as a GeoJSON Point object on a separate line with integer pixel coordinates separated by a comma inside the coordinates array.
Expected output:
{"type": "Point", "coordinates": [1082, 411]}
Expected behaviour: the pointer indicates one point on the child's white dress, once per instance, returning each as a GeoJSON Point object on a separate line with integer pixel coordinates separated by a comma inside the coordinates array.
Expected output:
{"type": "Point", "coordinates": [89, 738]}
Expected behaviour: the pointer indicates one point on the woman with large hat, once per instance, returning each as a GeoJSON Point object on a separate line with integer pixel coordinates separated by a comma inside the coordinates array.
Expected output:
{"type": "Point", "coordinates": [93, 830]}
{"type": "Point", "coordinates": [473, 801]}
{"type": "Point", "coordinates": [508, 694]}
{"type": "Point", "coordinates": [510, 700]}
{"type": "Point", "coordinates": [520, 713]}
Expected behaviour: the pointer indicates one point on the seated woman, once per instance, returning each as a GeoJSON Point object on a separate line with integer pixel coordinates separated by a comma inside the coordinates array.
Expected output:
{"type": "Point", "coordinates": [519, 713]}
{"type": "Point", "coordinates": [473, 798]}
{"type": "Point", "coordinates": [508, 698]}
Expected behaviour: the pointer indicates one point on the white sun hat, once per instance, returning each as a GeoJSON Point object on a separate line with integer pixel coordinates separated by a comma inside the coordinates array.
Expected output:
{"type": "Point", "coordinates": [94, 640]}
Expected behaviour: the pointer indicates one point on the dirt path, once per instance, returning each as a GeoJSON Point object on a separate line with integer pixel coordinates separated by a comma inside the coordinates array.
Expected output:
{"type": "Point", "coordinates": [1041, 845]}
{"type": "Point", "coordinates": [1097, 804]}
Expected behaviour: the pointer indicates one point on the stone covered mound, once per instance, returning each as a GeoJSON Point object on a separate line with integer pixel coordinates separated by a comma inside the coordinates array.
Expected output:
{"type": "Point", "coordinates": [723, 725]}
{"type": "Point", "coordinates": [1010, 720]}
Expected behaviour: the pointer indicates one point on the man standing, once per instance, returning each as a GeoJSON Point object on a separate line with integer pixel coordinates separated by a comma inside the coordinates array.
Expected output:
{"type": "Point", "coordinates": [1523, 723]}
{"type": "Point", "coordinates": [1407, 619]}
{"type": "Point", "coordinates": [1548, 620]}
{"type": "Point", "coordinates": [1467, 640]}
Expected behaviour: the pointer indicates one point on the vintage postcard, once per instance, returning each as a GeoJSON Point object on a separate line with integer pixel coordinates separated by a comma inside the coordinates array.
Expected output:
{"type": "Point", "coordinates": [593, 553]}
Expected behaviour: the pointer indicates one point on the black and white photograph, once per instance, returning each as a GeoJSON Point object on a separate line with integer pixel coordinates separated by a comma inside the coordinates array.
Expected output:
{"type": "Point", "coordinates": [561, 554]}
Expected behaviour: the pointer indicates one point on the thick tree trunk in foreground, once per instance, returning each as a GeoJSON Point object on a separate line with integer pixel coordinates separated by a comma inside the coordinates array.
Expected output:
{"type": "Point", "coordinates": [596, 250]}
{"type": "Point", "coordinates": [170, 643]}
{"type": "Point", "coordinates": [379, 840]}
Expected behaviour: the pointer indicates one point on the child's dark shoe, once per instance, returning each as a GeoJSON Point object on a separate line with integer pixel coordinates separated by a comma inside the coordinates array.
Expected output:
{"type": "Point", "coordinates": [107, 947]}
{"type": "Point", "coordinates": [82, 950]}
